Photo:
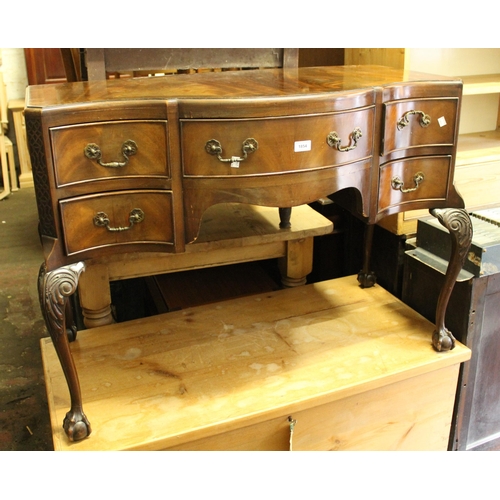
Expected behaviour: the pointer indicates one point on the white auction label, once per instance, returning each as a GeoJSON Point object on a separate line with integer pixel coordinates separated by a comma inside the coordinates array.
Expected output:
{"type": "Point", "coordinates": [442, 121]}
{"type": "Point", "coordinates": [300, 146]}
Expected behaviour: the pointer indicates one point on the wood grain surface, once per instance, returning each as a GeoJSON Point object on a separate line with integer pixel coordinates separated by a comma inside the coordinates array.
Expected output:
{"type": "Point", "coordinates": [228, 375]}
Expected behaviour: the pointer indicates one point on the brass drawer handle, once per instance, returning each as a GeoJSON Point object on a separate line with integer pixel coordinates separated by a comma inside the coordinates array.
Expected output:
{"type": "Point", "coordinates": [398, 184]}
{"type": "Point", "coordinates": [93, 152]}
{"type": "Point", "coordinates": [214, 147]}
{"type": "Point", "coordinates": [424, 121]}
{"type": "Point", "coordinates": [102, 220]}
{"type": "Point", "coordinates": [334, 141]}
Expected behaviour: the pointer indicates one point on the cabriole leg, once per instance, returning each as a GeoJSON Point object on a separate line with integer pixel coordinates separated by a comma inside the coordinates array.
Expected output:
{"type": "Point", "coordinates": [458, 223]}
{"type": "Point", "coordinates": [366, 277]}
{"type": "Point", "coordinates": [54, 288]}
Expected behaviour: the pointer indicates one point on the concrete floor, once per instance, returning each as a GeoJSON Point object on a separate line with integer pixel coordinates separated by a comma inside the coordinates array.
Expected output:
{"type": "Point", "coordinates": [24, 415]}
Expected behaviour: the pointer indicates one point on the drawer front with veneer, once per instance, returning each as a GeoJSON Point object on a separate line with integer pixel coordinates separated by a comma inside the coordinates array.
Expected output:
{"type": "Point", "coordinates": [410, 181]}
{"type": "Point", "coordinates": [117, 219]}
{"type": "Point", "coordinates": [419, 122]}
{"type": "Point", "coordinates": [223, 148]}
{"type": "Point", "coordinates": [99, 151]}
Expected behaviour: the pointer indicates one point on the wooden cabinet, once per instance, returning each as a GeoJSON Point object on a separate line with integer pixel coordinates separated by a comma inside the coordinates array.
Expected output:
{"type": "Point", "coordinates": [189, 138]}
{"type": "Point", "coordinates": [477, 173]}
{"type": "Point", "coordinates": [125, 167]}
{"type": "Point", "coordinates": [353, 368]}
{"type": "Point", "coordinates": [44, 66]}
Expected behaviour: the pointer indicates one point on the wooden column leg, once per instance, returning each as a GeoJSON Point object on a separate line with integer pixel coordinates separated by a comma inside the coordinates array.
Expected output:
{"type": "Point", "coordinates": [12, 167]}
{"type": "Point", "coordinates": [5, 171]}
{"type": "Point", "coordinates": [95, 296]}
{"type": "Point", "coordinates": [366, 277]}
{"type": "Point", "coordinates": [458, 223]}
{"type": "Point", "coordinates": [54, 288]}
{"type": "Point", "coordinates": [297, 263]}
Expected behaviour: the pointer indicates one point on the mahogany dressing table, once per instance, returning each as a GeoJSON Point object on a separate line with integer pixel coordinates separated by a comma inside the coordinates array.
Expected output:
{"type": "Point", "coordinates": [127, 166]}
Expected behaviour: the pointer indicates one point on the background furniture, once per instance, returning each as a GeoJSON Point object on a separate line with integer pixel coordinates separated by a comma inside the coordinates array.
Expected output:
{"type": "Point", "coordinates": [73, 64]}
{"type": "Point", "coordinates": [51, 65]}
{"type": "Point", "coordinates": [26, 175]}
{"type": "Point", "coordinates": [100, 63]}
{"type": "Point", "coordinates": [229, 233]}
{"type": "Point", "coordinates": [9, 176]}
{"type": "Point", "coordinates": [46, 66]}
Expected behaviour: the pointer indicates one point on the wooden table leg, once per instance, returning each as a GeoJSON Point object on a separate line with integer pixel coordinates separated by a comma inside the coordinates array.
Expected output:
{"type": "Point", "coordinates": [54, 288]}
{"type": "Point", "coordinates": [285, 216]}
{"type": "Point", "coordinates": [95, 296]}
{"type": "Point", "coordinates": [297, 263]}
{"type": "Point", "coordinates": [5, 170]}
{"type": "Point", "coordinates": [458, 223]}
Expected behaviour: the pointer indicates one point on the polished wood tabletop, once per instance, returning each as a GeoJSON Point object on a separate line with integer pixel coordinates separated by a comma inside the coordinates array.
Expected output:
{"type": "Point", "coordinates": [230, 84]}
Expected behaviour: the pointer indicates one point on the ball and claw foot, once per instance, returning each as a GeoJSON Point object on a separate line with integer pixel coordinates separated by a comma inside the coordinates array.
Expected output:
{"type": "Point", "coordinates": [366, 279]}
{"type": "Point", "coordinates": [76, 426]}
{"type": "Point", "coordinates": [71, 333]}
{"type": "Point", "coordinates": [443, 340]}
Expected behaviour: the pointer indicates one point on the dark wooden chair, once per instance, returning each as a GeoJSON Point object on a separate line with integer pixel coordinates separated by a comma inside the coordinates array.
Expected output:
{"type": "Point", "coordinates": [72, 61]}
{"type": "Point", "coordinates": [101, 63]}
